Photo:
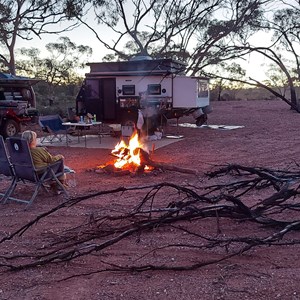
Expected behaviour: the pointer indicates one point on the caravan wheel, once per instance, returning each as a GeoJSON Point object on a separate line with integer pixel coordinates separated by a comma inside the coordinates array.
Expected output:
{"type": "Point", "coordinates": [201, 120]}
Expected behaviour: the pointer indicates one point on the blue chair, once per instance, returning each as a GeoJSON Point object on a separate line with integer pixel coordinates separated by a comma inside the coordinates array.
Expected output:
{"type": "Point", "coordinates": [52, 128]}
{"type": "Point", "coordinates": [25, 171]}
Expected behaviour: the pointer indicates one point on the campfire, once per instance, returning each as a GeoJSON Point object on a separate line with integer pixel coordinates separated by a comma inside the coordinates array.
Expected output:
{"type": "Point", "coordinates": [131, 158]}
{"type": "Point", "coordinates": [134, 158]}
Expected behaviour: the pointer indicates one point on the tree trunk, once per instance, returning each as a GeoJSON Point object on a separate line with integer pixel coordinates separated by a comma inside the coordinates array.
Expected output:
{"type": "Point", "coordinates": [294, 99]}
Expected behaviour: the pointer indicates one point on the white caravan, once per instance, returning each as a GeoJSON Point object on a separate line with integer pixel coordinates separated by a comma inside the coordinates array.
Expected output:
{"type": "Point", "coordinates": [119, 92]}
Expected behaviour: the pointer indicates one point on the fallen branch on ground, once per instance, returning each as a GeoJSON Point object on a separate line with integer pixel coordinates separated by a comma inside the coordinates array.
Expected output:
{"type": "Point", "coordinates": [264, 201]}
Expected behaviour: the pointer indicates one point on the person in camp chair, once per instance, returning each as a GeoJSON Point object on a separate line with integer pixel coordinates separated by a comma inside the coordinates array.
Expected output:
{"type": "Point", "coordinates": [42, 158]}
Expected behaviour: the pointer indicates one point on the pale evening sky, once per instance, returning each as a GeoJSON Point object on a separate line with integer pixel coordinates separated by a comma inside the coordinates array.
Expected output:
{"type": "Point", "coordinates": [84, 36]}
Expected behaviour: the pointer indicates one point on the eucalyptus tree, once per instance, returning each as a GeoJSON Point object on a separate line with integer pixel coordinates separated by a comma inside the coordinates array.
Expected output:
{"type": "Point", "coordinates": [61, 65]}
{"type": "Point", "coordinates": [24, 19]}
{"type": "Point", "coordinates": [281, 21]}
{"type": "Point", "coordinates": [204, 34]}
{"type": "Point", "coordinates": [229, 29]}
{"type": "Point", "coordinates": [201, 33]}
{"type": "Point", "coordinates": [59, 69]}
{"type": "Point", "coordinates": [286, 28]}
{"type": "Point", "coordinates": [155, 27]}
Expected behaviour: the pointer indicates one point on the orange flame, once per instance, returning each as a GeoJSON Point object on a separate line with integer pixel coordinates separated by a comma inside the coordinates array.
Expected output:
{"type": "Point", "coordinates": [128, 155]}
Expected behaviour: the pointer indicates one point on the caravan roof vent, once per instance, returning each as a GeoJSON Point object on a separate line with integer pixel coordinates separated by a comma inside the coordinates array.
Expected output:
{"type": "Point", "coordinates": [141, 57]}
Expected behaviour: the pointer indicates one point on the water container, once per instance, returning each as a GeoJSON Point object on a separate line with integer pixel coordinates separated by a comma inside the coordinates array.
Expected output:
{"type": "Point", "coordinates": [71, 179]}
{"type": "Point", "coordinates": [70, 176]}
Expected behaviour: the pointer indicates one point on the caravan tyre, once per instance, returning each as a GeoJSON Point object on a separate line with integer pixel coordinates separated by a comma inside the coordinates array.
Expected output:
{"type": "Point", "coordinates": [201, 120]}
{"type": "Point", "coordinates": [10, 128]}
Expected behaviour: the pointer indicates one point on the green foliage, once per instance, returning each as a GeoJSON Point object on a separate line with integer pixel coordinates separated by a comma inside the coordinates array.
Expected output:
{"type": "Point", "coordinates": [59, 73]}
{"type": "Point", "coordinates": [24, 19]}
{"type": "Point", "coordinates": [60, 67]}
{"type": "Point", "coordinates": [56, 100]}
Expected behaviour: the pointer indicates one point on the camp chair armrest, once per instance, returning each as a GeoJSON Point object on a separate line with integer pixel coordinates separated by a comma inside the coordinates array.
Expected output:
{"type": "Point", "coordinates": [58, 162]}
{"type": "Point", "coordinates": [55, 166]}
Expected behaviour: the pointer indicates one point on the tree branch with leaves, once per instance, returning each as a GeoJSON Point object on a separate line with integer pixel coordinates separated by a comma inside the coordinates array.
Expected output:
{"type": "Point", "coordinates": [24, 19]}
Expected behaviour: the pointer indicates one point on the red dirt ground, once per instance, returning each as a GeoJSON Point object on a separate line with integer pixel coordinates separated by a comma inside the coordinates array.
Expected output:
{"type": "Point", "coordinates": [270, 138]}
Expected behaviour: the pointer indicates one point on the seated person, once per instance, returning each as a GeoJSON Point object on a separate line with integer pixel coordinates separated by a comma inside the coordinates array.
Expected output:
{"type": "Point", "coordinates": [42, 158]}
{"type": "Point", "coordinates": [72, 117]}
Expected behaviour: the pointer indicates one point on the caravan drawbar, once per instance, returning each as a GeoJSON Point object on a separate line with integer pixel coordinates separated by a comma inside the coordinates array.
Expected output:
{"type": "Point", "coordinates": [116, 92]}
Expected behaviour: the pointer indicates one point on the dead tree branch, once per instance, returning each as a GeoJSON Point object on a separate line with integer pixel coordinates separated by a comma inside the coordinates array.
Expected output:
{"type": "Point", "coordinates": [263, 201]}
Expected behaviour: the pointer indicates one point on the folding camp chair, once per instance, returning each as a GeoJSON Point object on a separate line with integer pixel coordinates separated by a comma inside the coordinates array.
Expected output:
{"type": "Point", "coordinates": [6, 168]}
{"type": "Point", "coordinates": [52, 128]}
{"type": "Point", "coordinates": [25, 172]}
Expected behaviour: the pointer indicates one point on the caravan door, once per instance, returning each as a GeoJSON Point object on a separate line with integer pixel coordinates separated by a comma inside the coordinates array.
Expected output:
{"type": "Point", "coordinates": [98, 96]}
{"type": "Point", "coordinates": [108, 98]}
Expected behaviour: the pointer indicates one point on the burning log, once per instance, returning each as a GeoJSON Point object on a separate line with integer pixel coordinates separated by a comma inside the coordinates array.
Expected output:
{"type": "Point", "coordinates": [163, 166]}
{"type": "Point", "coordinates": [166, 167]}
{"type": "Point", "coordinates": [111, 169]}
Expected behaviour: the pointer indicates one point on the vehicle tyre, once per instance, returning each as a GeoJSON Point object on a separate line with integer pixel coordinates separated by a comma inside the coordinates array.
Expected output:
{"type": "Point", "coordinates": [201, 120]}
{"type": "Point", "coordinates": [10, 128]}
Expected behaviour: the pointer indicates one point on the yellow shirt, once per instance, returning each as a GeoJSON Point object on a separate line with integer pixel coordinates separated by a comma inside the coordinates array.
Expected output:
{"type": "Point", "coordinates": [42, 158]}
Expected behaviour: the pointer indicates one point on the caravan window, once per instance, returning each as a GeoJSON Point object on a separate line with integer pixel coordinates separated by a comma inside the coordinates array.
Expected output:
{"type": "Point", "coordinates": [202, 89]}
{"type": "Point", "coordinates": [154, 89]}
{"type": "Point", "coordinates": [128, 90]}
